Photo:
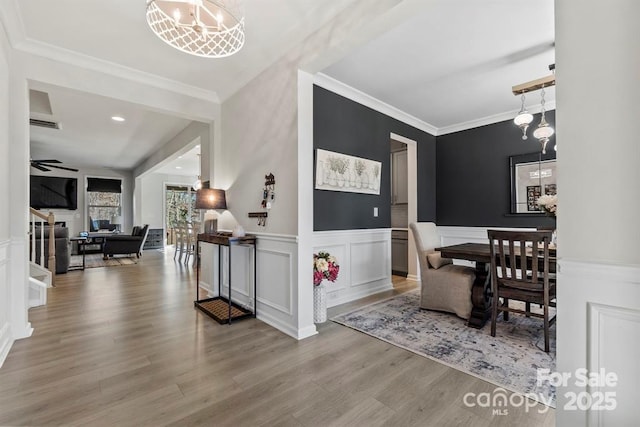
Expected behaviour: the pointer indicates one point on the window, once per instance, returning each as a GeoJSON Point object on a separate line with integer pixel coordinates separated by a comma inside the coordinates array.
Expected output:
{"type": "Point", "coordinates": [104, 200]}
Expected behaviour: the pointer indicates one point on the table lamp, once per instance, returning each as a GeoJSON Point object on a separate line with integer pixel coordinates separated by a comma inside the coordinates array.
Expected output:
{"type": "Point", "coordinates": [210, 199]}
{"type": "Point", "coordinates": [117, 221]}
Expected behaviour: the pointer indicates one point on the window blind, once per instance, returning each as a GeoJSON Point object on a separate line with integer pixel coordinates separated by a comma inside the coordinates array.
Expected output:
{"type": "Point", "coordinates": [104, 185]}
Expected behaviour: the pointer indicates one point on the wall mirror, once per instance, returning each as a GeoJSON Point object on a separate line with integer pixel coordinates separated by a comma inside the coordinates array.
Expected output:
{"type": "Point", "coordinates": [532, 175]}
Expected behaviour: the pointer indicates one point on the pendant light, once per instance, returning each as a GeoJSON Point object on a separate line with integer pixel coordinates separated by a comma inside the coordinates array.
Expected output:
{"type": "Point", "coordinates": [544, 131]}
{"type": "Point", "coordinates": [523, 119]}
{"type": "Point", "coordinates": [198, 184]}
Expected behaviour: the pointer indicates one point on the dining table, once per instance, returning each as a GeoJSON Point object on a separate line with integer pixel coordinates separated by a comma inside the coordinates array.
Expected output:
{"type": "Point", "coordinates": [481, 299]}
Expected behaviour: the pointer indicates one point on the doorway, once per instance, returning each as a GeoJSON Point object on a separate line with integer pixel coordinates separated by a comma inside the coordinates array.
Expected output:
{"type": "Point", "coordinates": [406, 210]}
{"type": "Point", "coordinates": [180, 202]}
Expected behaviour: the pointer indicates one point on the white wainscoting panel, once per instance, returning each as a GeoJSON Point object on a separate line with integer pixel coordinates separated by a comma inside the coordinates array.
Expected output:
{"type": "Point", "coordinates": [5, 331]}
{"type": "Point", "coordinates": [454, 235]}
{"type": "Point", "coordinates": [277, 269]}
{"type": "Point", "coordinates": [599, 328]}
{"type": "Point", "coordinates": [364, 257]}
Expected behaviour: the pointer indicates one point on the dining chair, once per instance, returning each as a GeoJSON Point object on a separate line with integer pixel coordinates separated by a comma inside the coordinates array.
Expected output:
{"type": "Point", "coordinates": [190, 239]}
{"type": "Point", "coordinates": [445, 286]}
{"type": "Point", "coordinates": [520, 270]}
{"type": "Point", "coordinates": [180, 230]}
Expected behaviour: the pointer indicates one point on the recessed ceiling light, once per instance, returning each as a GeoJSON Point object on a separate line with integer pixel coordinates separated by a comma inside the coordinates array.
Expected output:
{"type": "Point", "coordinates": [178, 167]}
{"type": "Point", "coordinates": [117, 119]}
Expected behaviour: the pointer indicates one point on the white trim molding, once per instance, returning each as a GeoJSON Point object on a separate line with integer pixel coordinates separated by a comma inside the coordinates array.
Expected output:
{"type": "Point", "coordinates": [329, 83]}
{"type": "Point", "coordinates": [489, 120]}
{"type": "Point", "coordinates": [80, 60]}
{"type": "Point", "coordinates": [326, 82]}
{"type": "Point", "coordinates": [6, 340]}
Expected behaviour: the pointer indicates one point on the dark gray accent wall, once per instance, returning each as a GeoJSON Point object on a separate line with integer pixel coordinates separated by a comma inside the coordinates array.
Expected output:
{"type": "Point", "coordinates": [473, 175]}
{"type": "Point", "coordinates": [344, 126]}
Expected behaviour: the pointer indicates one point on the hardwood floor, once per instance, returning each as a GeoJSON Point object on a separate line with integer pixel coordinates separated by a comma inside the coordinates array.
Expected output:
{"type": "Point", "coordinates": [124, 346]}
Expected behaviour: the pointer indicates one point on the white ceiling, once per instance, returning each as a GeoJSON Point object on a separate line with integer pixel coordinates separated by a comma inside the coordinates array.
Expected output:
{"type": "Point", "coordinates": [88, 137]}
{"type": "Point", "coordinates": [187, 164]}
{"type": "Point", "coordinates": [451, 63]}
{"type": "Point", "coordinates": [456, 61]}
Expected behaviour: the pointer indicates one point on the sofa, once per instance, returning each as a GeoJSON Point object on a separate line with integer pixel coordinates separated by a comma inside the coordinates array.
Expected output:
{"type": "Point", "coordinates": [63, 248]}
{"type": "Point", "coordinates": [125, 244]}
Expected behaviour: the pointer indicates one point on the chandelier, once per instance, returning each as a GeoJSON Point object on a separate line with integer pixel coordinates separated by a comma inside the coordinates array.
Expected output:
{"type": "Point", "coordinates": [544, 131]}
{"type": "Point", "coordinates": [206, 28]}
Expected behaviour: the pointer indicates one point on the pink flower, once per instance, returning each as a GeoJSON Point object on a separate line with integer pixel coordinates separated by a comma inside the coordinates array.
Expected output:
{"type": "Point", "coordinates": [325, 266]}
{"type": "Point", "coordinates": [333, 272]}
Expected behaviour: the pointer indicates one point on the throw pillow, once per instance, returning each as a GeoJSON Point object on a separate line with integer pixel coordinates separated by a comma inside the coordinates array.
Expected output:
{"type": "Point", "coordinates": [436, 261]}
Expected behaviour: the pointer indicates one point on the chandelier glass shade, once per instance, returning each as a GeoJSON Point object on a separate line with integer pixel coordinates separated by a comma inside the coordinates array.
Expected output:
{"type": "Point", "coordinates": [205, 28]}
{"type": "Point", "coordinates": [544, 131]}
{"type": "Point", "coordinates": [523, 119]}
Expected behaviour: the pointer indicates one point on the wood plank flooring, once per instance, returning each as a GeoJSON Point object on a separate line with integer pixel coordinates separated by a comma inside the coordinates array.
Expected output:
{"type": "Point", "coordinates": [124, 346]}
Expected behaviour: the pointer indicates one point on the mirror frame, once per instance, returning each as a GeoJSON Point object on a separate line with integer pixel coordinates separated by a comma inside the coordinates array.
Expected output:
{"type": "Point", "coordinates": [524, 159]}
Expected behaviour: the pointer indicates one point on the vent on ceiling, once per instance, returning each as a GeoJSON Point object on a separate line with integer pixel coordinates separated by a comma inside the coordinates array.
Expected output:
{"type": "Point", "coordinates": [44, 124]}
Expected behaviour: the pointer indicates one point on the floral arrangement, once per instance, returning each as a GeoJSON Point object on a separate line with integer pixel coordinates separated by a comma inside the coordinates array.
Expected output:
{"type": "Point", "coordinates": [549, 204]}
{"type": "Point", "coordinates": [325, 266]}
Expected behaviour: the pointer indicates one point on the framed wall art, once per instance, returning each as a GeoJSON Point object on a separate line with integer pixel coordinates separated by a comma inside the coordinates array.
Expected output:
{"type": "Point", "coordinates": [340, 172]}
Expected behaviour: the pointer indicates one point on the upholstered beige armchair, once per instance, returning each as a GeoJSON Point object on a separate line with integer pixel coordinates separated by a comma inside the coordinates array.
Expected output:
{"type": "Point", "coordinates": [445, 286]}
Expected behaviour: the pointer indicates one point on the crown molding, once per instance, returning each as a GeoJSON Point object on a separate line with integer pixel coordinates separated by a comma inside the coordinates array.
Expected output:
{"type": "Point", "coordinates": [362, 98]}
{"type": "Point", "coordinates": [336, 86]}
{"type": "Point", "coordinates": [14, 27]}
{"type": "Point", "coordinates": [12, 21]}
{"type": "Point", "coordinates": [495, 118]}
{"type": "Point", "coordinates": [56, 53]}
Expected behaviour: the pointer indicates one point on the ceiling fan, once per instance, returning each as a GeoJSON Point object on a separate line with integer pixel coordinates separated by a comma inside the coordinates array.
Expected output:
{"type": "Point", "coordinates": [43, 165]}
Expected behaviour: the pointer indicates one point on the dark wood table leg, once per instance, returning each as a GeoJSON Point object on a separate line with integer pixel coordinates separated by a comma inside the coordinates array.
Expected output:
{"type": "Point", "coordinates": [480, 296]}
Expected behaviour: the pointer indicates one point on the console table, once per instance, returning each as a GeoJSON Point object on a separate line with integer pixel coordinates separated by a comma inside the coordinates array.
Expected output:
{"type": "Point", "coordinates": [222, 309]}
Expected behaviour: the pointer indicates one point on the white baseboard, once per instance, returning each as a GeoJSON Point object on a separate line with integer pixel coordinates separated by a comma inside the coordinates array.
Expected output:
{"type": "Point", "coordinates": [5, 342]}
{"type": "Point", "coordinates": [413, 277]}
{"type": "Point", "coordinates": [286, 328]}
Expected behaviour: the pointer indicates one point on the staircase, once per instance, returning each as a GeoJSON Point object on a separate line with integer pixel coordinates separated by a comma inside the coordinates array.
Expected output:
{"type": "Point", "coordinates": [41, 277]}
{"type": "Point", "coordinates": [39, 281]}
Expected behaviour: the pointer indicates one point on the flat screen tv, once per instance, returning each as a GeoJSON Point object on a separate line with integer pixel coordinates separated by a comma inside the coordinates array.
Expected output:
{"type": "Point", "coordinates": [53, 192]}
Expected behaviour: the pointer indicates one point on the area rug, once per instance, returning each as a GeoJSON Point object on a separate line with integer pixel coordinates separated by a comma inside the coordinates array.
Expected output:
{"type": "Point", "coordinates": [95, 260]}
{"type": "Point", "coordinates": [509, 360]}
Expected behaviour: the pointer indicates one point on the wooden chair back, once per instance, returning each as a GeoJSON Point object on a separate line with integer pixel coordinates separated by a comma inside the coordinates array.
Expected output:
{"type": "Point", "coordinates": [521, 270]}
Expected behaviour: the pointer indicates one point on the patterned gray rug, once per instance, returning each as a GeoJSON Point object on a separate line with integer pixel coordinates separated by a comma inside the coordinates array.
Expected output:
{"type": "Point", "coordinates": [510, 360]}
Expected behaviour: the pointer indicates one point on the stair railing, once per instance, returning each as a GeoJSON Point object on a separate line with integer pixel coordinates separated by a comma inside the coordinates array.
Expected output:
{"type": "Point", "coordinates": [40, 218]}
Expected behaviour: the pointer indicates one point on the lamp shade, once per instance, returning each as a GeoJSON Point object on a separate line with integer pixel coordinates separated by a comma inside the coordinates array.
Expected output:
{"type": "Point", "coordinates": [211, 198]}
